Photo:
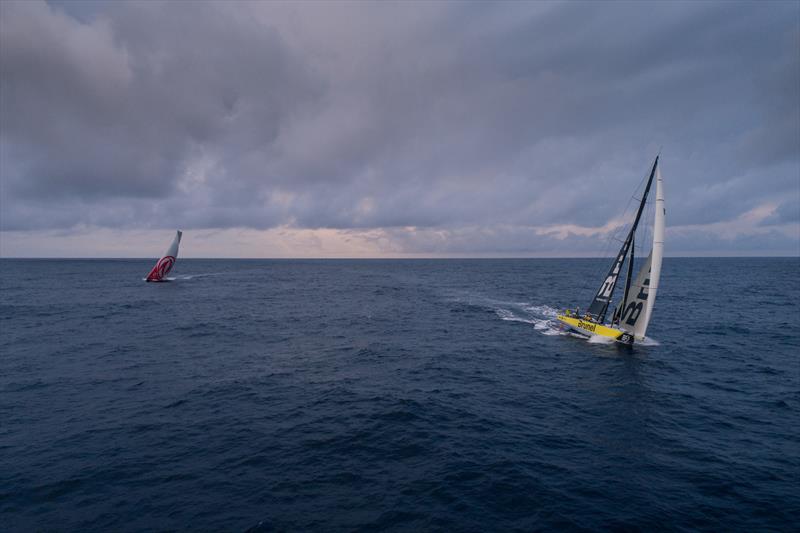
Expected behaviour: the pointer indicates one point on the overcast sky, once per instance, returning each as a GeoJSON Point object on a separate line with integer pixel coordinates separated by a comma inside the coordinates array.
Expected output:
{"type": "Point", "coordinates": [391, 129]}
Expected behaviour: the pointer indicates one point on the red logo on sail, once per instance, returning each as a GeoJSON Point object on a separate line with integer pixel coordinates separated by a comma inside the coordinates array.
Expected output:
{"type": "Point", "coordinates": [161, 269]}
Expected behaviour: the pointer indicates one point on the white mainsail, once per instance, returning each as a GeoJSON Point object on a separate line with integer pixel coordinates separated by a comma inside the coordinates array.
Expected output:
{"type": "Point", "coordinates": [658, 248]}
{"type": "Point", "coordinates": [638, 309]}
{"type": "Point", "coordinates": [164, 265]}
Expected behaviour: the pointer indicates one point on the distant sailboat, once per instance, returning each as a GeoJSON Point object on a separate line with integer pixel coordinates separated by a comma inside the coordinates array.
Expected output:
{"type": "Point", "coordinates": [632, 316]}
{"type": "Point", "coordinates": [164, 265]}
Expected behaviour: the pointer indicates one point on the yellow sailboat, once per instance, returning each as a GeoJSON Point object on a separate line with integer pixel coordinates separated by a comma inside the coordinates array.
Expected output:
{"type": "Point", "coordinates": [632, 316]}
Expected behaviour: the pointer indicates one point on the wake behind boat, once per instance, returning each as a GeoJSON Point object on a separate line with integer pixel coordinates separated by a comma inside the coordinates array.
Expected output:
{"type": "Point", "coordinates": [165, 264]}
{"type": "Point", "coordinates": [631, 317]}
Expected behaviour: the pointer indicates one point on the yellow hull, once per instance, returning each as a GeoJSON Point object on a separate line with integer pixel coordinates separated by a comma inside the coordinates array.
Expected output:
{"type": "Point", "coordinates": [587, 327]}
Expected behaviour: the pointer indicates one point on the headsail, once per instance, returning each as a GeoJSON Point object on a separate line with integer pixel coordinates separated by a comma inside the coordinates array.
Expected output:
{"type": "Point", "coordinates": [164, 265]}
{"type": "Point", "coordinates": [598, 307]}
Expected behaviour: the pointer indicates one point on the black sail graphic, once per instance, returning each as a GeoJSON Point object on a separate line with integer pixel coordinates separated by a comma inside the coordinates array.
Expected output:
{"type": "Point", "coordinates": [632, 317]}
{"type": "Point", "coordinates": [599, 306]}
{"type": "Point", "coordinates": [628, 278]}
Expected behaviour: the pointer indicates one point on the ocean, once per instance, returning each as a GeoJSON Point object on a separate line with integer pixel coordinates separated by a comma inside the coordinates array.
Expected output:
{"type": "Point", "coordinates": [394, 395]}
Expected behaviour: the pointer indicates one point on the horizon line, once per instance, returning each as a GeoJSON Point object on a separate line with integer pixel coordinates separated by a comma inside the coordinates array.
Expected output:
{"type": "Point", "coordinates": [402, 258]}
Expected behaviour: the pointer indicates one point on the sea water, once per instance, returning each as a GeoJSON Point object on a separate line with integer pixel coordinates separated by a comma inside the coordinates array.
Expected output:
{"type": "Point", "coordinates": [401, 395]}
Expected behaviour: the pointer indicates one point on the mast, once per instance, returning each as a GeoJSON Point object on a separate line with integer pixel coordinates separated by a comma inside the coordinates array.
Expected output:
{"type": "Point", "coordinates": [599, 306]}
{"type": "Point", "coordinates": [658, 246]}
{"type": "Point", "coordinates": [638, 310]}
{"type": "Point", "coordinates": [630, 275]}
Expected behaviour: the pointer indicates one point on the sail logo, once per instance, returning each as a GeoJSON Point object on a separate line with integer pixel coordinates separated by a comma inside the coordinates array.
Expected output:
{"type": "Point", "coordinates": [167, 261]}
{"type": "Point", "coordinates": [611, 280]}
{"type": "Point", "coordinates": [634, 309]}
{"type": "Point", "coordinates": [164, 266]}
{"type": "Point", "coordinates": [608, 286]}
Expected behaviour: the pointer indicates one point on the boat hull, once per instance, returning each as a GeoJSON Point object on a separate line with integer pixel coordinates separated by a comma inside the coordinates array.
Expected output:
{"type": "Point", "coordinates": [588, 328]}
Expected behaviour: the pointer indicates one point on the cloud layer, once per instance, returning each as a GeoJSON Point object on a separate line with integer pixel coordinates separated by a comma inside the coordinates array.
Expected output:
{"type": "Point", "coordinates": [433, 128]}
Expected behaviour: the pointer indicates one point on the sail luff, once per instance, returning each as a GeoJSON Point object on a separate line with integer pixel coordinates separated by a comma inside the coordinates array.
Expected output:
{"type": "Point", "coordinates": [658, 247]}
{"type": "Point", "coordinates": [599, 305]}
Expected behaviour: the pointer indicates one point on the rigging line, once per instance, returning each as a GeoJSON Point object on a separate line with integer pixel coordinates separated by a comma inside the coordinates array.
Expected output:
{"type": "Point", "coordinates": [600, 304]}
{"type": "Point", "coordinates": [605, 254]}
{"type": "Point", "coordinates": [646, 181]}
{"type": "Point", "coordinates": [642, 243]}
{"type": "Point", "coordinates": [600, 269]}
{"type": "Point", "coordinates": [614, 236]}
{"type": "Point", "coordinates": [649, 226]}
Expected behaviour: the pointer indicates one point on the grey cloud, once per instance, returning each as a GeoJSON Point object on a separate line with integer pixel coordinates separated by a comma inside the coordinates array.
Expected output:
{"type": "Point", "coordinates": [789, 211]}
{"type": "Point", "coordinates": [476, 120]}
{"type": "Point", "coordinates": [113, 107]}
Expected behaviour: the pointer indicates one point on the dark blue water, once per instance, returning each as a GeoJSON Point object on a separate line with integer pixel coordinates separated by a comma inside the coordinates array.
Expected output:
{"type": "Point", "coordinates": [394, 395]}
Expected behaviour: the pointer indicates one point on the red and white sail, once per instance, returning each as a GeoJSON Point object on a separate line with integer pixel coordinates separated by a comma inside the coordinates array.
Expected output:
{"type": "Point", "coordinates": [164, 265]}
